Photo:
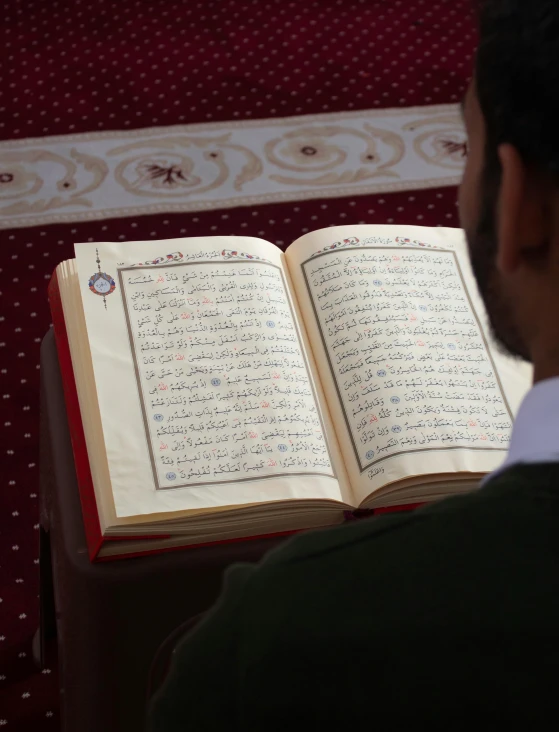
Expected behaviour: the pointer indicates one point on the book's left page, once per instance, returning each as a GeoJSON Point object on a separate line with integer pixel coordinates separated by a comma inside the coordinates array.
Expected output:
{"type": "Point", "coordinates": [207, 392]}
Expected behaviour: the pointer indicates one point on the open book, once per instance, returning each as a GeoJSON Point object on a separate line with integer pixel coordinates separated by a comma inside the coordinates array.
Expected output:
{"type": "Point", "coordinates": [226, 389]}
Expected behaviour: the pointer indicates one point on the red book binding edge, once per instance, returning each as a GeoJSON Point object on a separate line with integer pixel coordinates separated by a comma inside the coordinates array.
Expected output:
{"type": "Point", "coordinates": [92, 526]}
{"type": "Point", "coordinates": [91, 523]}
{"type": "Point", "coordinates": [396, 509]}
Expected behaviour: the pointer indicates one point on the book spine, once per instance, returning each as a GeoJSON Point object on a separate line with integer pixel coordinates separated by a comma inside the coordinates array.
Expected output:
{"type": "Point", "coordinates": [90, 513]}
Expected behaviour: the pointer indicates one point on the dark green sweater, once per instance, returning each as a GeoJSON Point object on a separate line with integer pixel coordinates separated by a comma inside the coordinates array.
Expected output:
{"type": "Point", "coordinates": [444, 618]}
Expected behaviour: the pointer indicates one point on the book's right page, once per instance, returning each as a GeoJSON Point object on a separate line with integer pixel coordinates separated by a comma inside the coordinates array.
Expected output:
{"type": "Point", "coordinates": [415, 383]}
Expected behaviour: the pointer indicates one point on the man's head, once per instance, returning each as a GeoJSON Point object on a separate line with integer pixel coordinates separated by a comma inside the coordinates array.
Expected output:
{"type": "Point", "coordinates": [509, 197]}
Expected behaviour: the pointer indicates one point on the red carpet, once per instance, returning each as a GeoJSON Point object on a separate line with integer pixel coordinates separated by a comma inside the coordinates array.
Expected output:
{"type": "Point", "coordinates": [77, 67]}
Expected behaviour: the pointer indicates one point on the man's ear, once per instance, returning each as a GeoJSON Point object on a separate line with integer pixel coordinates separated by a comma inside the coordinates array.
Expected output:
{"type": "Point", "coordinates": [520, 214]}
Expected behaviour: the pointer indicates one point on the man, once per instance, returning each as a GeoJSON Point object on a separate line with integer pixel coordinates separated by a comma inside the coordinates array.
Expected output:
{"type": "Point", "coordinates": [448, 617]}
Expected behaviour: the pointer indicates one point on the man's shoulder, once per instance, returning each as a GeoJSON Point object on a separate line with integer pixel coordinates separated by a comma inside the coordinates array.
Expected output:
{"type": "Point", "coordinates": [510, 493]}
{"type": "Point", "coordinates": [383, 529]}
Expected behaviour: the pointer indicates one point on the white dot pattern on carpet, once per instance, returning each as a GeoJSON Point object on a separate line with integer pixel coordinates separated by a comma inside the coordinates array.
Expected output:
{"type": "Point", "coordinates": [98, 66]}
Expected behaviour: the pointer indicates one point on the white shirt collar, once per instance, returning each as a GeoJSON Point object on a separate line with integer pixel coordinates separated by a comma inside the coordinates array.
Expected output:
{"type": "Point", "coordinates": [535, 433]}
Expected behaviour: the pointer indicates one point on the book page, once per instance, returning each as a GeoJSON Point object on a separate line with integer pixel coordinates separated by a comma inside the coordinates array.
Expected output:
{"type": "Point", "coordinates": [207, 396]}
{"type": "Point", "coordinates": [406, 359]}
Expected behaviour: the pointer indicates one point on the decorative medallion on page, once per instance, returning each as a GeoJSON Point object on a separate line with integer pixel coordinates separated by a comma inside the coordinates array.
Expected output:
{"type": "Point", "coordinates": [211, 166]}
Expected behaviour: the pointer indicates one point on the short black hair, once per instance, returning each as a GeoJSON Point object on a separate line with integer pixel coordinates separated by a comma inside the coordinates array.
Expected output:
{"type": "Point", "coordinates": [517, 79]}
